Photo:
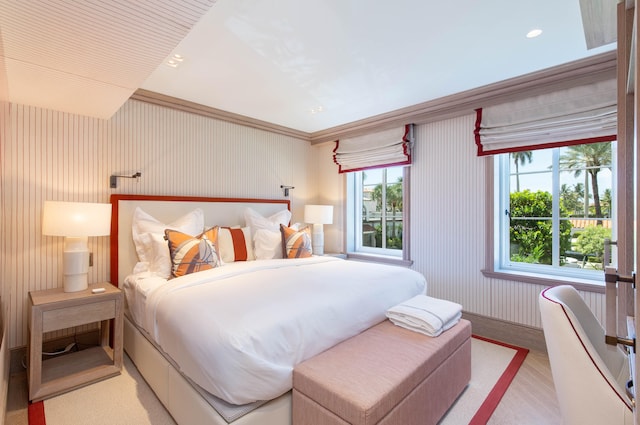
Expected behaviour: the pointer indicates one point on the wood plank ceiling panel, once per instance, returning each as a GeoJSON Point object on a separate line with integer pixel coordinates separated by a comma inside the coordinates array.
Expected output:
{"type": "Point", "coordinates": [599, 22]}
{"type": "Point", "coordinates": [62, 54]}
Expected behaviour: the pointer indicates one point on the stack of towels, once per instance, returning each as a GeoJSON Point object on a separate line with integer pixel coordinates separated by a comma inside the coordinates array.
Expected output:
{"type": "Point", "coordinates": [427, 315]}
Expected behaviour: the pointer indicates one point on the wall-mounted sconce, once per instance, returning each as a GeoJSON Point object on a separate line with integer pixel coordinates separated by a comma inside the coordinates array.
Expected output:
{"type": "Point", "coordinates": [113, 180]}
{"type": "Point", "coordinates": [285, 189]}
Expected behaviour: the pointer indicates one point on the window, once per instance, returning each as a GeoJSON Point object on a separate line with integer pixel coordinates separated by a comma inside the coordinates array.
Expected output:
{"type": "Point", "coordinates": [376, 212]}
{"type": "Point", "coordinates": [553, 209]}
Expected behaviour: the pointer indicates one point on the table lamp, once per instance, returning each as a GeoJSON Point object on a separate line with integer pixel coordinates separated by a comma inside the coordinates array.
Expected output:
{"type": "Point", "coordinates": [318, 215]}
{"type": "Point", "coordinates": [76, 221]}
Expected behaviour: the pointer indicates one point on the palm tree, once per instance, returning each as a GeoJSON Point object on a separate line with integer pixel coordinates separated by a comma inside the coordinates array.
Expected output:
{"type": "Point", "coordinates": [393, 197]}
{"type": "Point", "coordinates": [606, 202]}
{"type": "Point", "coordinates": [569, 197]}
{"type": "Point", "coordinates": [592, 157]}
{"type": "Point", "coordinates": [579, 189]}
{"type": "Point", "coordinates": [520, 158]}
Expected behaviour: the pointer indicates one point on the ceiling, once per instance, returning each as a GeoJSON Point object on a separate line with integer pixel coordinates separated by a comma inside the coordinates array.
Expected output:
{"type": "Point", "coordinates": [304, 65]}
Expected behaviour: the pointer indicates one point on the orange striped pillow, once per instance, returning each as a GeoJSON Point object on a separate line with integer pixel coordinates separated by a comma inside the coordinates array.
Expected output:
{"type": "Point", "coordinates": [234, 244]}
{"type": "Point", "coordinates": [190, 254]}
{"type": "Point", "coordinates": [295, 243]}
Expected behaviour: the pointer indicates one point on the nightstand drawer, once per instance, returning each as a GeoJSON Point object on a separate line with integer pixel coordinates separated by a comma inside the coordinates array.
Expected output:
{"type": "Point", "coordinates": [63, 318]}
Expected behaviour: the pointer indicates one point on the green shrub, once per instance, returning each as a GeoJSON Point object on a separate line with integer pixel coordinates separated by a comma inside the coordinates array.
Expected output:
{"type": "Point", "coordinates": [532, 237]}
{"type": "Point", "coordinates": [392, 242]}
{"type": "Point", "coordinates": [590, 241]}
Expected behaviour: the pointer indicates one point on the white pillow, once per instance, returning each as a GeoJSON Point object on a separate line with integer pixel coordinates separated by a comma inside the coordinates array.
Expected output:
{"type": "Point", "coordinates": [264, 246]}
{"type": "Point", "coordinates": [148, 237]}
{"type": "Point", "coordinates": [267, 244]}
{"type": "Point", "coordinates": [256, 221]}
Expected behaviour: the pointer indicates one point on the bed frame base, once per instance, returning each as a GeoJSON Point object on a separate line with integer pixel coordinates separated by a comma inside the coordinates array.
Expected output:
{"type": "Point", "coordinates": [181, 400]}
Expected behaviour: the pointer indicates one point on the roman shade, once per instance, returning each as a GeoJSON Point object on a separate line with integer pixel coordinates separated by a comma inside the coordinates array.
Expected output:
{"type": "Point", "coordinates": [578, 115]}
{"type": "Point", "coordinates": [376, 150]}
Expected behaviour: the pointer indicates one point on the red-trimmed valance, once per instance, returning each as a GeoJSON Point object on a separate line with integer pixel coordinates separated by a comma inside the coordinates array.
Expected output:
{"type": "Point", "coordinates": [582, 114]}
{"type": "Point", "coordinates": [383, 149]}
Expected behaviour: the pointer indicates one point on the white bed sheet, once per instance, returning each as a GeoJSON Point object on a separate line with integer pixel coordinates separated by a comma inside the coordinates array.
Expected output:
{"type": "Point", "coordinates": [238, 330]}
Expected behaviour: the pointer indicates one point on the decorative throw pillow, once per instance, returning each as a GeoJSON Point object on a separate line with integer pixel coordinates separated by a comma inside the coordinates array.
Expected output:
{"type": "Point", "coordinates": [235, 244]}
{"type": "Point", "coordinates": [148, 238]}
{"type": "Point", "coordinates": [192, 254]}
{"type": "Point", "coordinates": [295, 243]}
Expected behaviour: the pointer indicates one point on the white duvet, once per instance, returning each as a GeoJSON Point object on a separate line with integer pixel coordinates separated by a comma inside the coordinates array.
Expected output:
{"type": "Point", "coordinates": [238, 330]}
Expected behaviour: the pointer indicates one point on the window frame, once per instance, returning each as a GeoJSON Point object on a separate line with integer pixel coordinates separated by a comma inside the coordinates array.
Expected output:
{"type": "Point", "coordinates": [495, 234]}
{"type": "Point", "coordinates": [354, 221]}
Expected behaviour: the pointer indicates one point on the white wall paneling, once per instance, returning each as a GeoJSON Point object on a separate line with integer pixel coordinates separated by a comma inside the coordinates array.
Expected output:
{"type": "Point", "coordinates": [51, 155]}
{"type": "Point", "coordinates": [60, 156]}
{"type": "Point", "coordinates": [5, 288]}
{"type": "Point", "coordinates": [448, 225]}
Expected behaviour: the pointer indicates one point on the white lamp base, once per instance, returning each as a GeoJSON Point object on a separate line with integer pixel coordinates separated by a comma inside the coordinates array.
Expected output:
{"type": "Point", "coordinates": [76, 264]}
{"type": "Point", "coordinates": [317, 240]}
{"type": "Point", "coordinates": [75, 282]}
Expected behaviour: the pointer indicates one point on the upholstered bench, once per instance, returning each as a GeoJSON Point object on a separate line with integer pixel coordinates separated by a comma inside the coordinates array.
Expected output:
{"type": "Point", "coordinates": [387, 375]}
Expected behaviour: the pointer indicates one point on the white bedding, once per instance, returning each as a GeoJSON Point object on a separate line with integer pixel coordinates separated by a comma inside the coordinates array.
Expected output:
{"type": "Point", "coordinates": [247, 324]}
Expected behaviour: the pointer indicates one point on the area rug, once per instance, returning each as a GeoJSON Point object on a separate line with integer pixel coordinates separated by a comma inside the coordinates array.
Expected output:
{"type": "Point", "coordinates": [493, 366]}
{"type": "Point", "coordinates": [127, 399]}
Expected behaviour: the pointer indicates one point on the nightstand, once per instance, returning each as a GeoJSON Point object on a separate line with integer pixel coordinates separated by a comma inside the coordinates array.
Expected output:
{"type": "Point", "coordinates": [54, 309]}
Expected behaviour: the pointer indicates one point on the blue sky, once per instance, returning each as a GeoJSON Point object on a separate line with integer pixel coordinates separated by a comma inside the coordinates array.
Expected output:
{"type": "Point", "coordinates": [540, 161]}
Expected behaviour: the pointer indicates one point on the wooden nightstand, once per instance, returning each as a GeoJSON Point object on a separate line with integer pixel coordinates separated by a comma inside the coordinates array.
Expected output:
{"type": "Point", "coordinates": [54, 309]}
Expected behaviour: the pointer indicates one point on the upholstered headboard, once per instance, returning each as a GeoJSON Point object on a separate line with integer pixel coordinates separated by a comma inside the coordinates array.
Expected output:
{"type": "Point", "coordinates": [217, 211]}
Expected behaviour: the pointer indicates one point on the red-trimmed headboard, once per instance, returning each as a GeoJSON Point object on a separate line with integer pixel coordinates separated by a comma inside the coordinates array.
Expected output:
{"type": "Point", "coordinates": [217, 211]}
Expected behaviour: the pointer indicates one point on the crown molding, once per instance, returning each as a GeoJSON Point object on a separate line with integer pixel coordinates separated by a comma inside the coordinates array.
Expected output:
{"type": "Point", "coordinates": [583, 71]}
{"type": "Point", "coordinates": [595, 68]}
{"type": "Point", "coordinates": [207, 111]}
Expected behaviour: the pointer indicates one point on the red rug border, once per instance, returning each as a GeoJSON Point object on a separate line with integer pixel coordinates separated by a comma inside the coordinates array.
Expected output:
{"type": "Point", "coordinates": [36, 413]}
{"type": "Point", "coordinates": [481, 417]}
{"type": "Point", "coordinates": [492, 400]}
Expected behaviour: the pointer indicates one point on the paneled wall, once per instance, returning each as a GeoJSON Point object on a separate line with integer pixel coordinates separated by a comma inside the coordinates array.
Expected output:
{"type": "Point", "coordinates": [448, 233]}
{"type": "Point", "coordinates": [448, 224]}
{"type": "Point", "coordinates": [52, 155]}
{"type": "Point", "coordinates": [4, 289]}
{"type": "Point", "coordinates": [59, 156]}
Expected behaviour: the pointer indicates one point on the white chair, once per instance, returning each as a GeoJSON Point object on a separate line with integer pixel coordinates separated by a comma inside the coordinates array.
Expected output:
{"type": "Point", "coordinates": [589, 375]}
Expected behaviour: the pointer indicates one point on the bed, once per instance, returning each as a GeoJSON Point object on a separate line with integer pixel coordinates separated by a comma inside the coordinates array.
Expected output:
{"type": "Point", "coordinates": [219, 345]}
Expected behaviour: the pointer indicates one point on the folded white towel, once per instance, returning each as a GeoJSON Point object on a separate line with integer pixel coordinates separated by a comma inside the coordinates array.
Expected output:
{"type": "Point", "coordinates": [430, 316]}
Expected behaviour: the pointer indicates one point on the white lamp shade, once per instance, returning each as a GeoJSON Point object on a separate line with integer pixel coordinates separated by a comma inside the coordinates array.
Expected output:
{"type": "Point", "coordinates": [318, 214]}
{"type": "Point", "coordinates": [76, 219]}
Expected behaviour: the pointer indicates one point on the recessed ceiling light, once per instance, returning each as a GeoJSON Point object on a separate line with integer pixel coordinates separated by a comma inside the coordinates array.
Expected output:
{"type": "Point", "coordinates": [534, 33]}
{"type": "Point", "coordinates": [316, 110]}
{"type": "Point", "coordinates": [174, 60]}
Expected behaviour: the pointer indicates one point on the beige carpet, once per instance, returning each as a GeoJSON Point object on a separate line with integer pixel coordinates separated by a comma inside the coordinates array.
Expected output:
{"type": "Point", "coordinates": [122, 400]}
{"type": "Point", "coordinates": [488, 363]}
{"type": "Point", "coordinates": [126, 399]}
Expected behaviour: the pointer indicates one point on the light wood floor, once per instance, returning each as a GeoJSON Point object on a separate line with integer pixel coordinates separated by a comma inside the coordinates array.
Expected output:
{"type": "Point", "coordinates": [530, 400]}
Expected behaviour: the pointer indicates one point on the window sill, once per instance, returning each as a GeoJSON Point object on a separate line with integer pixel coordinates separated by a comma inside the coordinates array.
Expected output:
{"type": "Point", "coordinates": [384, 259]}
{"type": "Point", "coordinates": [581, 284]}
{"type": "Point", "coordinates": [335, 254]}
